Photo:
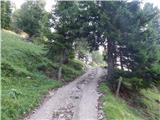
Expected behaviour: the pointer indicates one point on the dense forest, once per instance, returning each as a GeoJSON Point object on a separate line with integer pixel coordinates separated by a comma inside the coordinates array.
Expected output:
{"type": "Point", "coordinates": [45, 50]}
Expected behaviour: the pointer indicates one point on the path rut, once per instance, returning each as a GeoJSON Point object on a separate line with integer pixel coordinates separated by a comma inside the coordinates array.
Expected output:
{"type": "Point", "coordinates": [76, 101]}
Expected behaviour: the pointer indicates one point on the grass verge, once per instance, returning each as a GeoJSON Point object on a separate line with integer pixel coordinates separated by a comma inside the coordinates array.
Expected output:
{"type": "Point", "coordinates": [146, 106]}
{"type": "Point", "coordinates": [116, 108]}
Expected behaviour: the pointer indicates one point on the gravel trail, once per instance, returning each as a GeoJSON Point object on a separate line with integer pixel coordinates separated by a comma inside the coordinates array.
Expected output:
{"type": "Point", "coordinates": [76, 101]}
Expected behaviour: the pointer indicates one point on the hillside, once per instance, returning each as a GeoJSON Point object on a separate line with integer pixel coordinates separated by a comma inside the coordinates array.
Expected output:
{"type": "Point", "coordinates": [143, 106]}
{"type": "Point", "coordinates": [27, 75]}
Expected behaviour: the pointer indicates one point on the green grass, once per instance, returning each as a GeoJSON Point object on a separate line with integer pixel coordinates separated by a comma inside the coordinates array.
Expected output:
{"type": "Point", "coordinates": [146, 107]}
{"type": "Point", "coordinates": [152, 103]}
{"type": "Point", "coordinates": [116, 108]}
{"type": "Point", "coordinates": [20, 95]}
{"type": "Point", "coordinates": [72, 70]}
{"type": "Point", "coordinates": [23, 86]}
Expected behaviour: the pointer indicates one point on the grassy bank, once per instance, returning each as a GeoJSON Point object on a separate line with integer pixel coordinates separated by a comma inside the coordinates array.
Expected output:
{"type": "Point", "coordinates": [151, 103]}
{"type": "Point", "coordinates": [27, 75]}
{"type": "Point", "coordinates": [115, 108]}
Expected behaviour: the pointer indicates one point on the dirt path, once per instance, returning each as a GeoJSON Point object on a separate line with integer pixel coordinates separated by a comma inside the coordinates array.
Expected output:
{"type": "Point", "coordinates": [75, 101]}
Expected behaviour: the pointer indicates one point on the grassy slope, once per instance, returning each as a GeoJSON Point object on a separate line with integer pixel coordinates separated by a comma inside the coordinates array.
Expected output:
{"type": "Point", "coordinates": [152, 107]}
{"type": "Point", "coordinates": [23, 86]}
{"type": "Point", "coordinates": [116, 108]}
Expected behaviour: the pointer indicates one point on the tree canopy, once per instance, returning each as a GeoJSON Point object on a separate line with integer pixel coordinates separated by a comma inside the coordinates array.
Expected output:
{"type": "Point", "coordinates": [129, 33]}
{"type": "Point", "coordinates": [30, 17]}
{"type": "Point", "coordinates": [5, 14]}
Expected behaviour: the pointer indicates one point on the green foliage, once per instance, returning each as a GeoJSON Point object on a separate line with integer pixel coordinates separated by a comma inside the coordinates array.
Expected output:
{"type": "Point", "coordinates": [72, 70]}
{"type": "Point", "coordinates": [131, 40]}
{"type": "Point", "coordinates": [25, 75]}
{"type": "Point", "coordinates": [63, 20]}
{"type": "Point", "coordinates": [97, 57]}
{"type": "Point", "coordinates": [89, 23]}
{"type": "Point", "coordinates": [81, 48]}
{"type": "Point", "coordinates": [129, 33]}
{"type": "Point", "coordinates": [31, 18]}
{"type": "Point", "coordinates": [146, 107]}
{"type": "Point", "coordinates": [21, 94]}
{"type": "Point", "coordinates": [151, 101]}
{"type": "Point", "coordinates": [134, 83]}
{"type": "Point", "coordinates": [116, 108]}
{"type": "Point", "coordinates": [76, 64]}
{"type": "Point", "coordinates": [5, 14]}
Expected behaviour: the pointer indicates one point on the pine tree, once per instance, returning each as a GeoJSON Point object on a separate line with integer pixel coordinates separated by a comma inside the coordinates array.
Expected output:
{"type": "Point", "coordinates": [5, 14]}
{"type": "Point", "coordinates": [29, 18]}
{"type": "Point", "coordinates": [64, 19]}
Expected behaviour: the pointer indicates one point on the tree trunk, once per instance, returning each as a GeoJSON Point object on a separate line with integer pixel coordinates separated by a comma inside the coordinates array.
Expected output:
{"type": "Point", "coordinates": [120, 79]}
{"type": "Point", "coordinates": [110, 60]}
{"type": "Point", "coordinates": [60, 65]}
{"type": "Point", "coordinates": [121, 61]}
{"type": "Point", "coordinates": [60, 72]}
{"type": "Point", "coordinates": [65, 56]}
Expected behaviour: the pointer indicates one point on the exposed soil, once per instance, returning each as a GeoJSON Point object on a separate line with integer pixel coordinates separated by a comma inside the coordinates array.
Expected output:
{"type": "Point", "coordinates": [76, 101]}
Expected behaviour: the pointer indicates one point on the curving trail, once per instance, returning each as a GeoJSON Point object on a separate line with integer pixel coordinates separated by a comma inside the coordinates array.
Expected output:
{"type": "Point", "coordinates": [76, 101]}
